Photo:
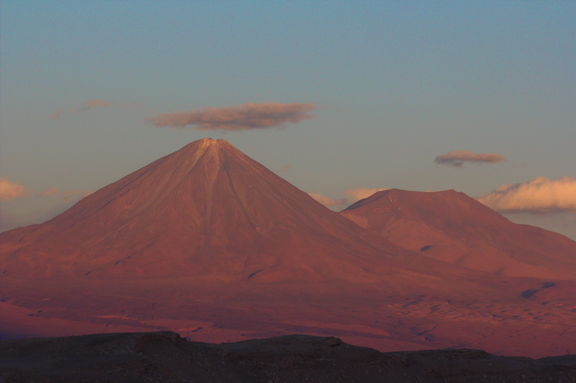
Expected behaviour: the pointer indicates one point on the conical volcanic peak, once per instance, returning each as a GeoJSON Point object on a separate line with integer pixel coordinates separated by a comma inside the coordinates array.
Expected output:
{"type": "Point", "coordinates": [206, 209]}
{"type": "Point", "coordinates": [207, 147]}
{"type": "Point", "coordinates": [455, 228]}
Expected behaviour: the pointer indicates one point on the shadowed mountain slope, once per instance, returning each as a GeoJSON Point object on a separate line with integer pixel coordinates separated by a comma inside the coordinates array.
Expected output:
{"type": "Point", "coordinates": [455, 228]}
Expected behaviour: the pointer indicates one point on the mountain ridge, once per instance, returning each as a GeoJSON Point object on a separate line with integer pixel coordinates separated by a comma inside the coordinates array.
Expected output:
{"type": "Point", "coordinates": [452, 227]}
{"type": "Point", "coordinates": [205, 207]}
{"type": "Point", "coordinates": [208, 240]}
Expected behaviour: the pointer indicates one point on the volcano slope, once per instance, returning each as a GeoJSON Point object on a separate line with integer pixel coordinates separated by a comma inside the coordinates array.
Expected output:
{"type": "Point", "coordinates": [207, 242]}
{"type": "Point", "coordinates": [457, 229]}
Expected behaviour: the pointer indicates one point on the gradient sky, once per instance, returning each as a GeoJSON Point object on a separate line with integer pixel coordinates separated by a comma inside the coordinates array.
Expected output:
{"type": "Point", "coordinates": [396, 85]}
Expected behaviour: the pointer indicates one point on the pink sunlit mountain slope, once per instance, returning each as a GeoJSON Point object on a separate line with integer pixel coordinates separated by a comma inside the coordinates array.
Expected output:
{"type": "Point", "coordinates": [205, 211]}
{"type": "Point", "coordinates": [455, 228]}
{"type": "Point", "coordinates": [211, 244]}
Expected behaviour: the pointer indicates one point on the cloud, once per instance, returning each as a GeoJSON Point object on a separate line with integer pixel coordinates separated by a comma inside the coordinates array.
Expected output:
{"type": "Point", "coordinates": [458, 157]}
{"type": "Point", "coordinates": [51, 191]}
{"type": "Point", "coordinates": [11, 217]}
{"type": "Point", "coordinates": [70, 193]}
{"type": "Point", "coordinates": [285, 168]}
{"type": "Point", "coordinates": [67, 194]}
{"type": "Point", "coordinates": [328, 201]}
{"type": "Point", "coordinates": [105, 104]}
{"type": "Point", "coordinates": [10, 190]}
{"type": "Point", "coordinates": [540, 195]}
{"type": "Point", "coordinates": [235, 118]}
{"type": "Point", "coordinates": [95, 103]}
{"type": "Point", "coordinates": [352, 196]}
{"type": "Point", "coordinates": [87, 105]}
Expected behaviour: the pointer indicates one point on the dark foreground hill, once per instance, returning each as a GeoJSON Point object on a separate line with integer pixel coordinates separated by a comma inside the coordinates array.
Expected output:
{"type": "Point", "coordinates": [166, 357]}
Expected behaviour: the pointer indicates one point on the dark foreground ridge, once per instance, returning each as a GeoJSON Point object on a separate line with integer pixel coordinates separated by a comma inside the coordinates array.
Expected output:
{"type": "Point", "coordinates": [166, 357]}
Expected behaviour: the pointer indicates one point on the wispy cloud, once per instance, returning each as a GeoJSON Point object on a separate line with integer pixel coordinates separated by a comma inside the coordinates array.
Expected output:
{"type": "Point", "coordinates": [55, 115]}
{"type": "Point", "coordinates": [87, 105]}
{"type": "Point", "coordinates": [235, 118]}
{"type": "Point", "coordinates": [538, 196]}
{"type": "Point", "coordinates": [457, 158]}
{"type": "Point", "coordinates": [51, 191]}
{"type": "Point", "coordinates": [66, 194]}
{"type": "Point", "coordinates": [326, 201]}
{"type": "Point", "coordinates": [352, 196]}
{"type": "Point", "coordinates": [285, 168]}
{"type": "Point", "coordinates": [10, 219]}
{"type": "Point", "coordinates": [11, 190]}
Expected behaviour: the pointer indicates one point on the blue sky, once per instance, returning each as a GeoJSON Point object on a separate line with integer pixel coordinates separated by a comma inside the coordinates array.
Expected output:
{"type": "Point", "coordinates": [396, 84]}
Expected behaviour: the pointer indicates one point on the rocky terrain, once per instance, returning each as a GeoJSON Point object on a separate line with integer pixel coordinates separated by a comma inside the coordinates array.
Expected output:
{"type": "Point", "coordinates": [166, 357]}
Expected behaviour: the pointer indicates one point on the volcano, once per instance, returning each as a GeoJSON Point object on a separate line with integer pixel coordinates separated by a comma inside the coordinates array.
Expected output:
{"type": "Point", "coordinates": [209, 243]}
{"type": "Point", "coordinates": [457, 229]}
{"type": "Point", "coordinates": [206, 210]}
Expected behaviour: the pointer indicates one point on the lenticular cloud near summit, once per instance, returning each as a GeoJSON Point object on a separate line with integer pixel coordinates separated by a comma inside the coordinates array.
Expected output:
{"type": "Point", "coordinates": [235, 118]}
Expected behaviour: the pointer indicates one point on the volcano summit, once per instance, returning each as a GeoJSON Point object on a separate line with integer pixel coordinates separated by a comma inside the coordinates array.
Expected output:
{"type": "Point", "coordinates": [205, 210]}
{"type": "Point", "coordinates": [211, 244]}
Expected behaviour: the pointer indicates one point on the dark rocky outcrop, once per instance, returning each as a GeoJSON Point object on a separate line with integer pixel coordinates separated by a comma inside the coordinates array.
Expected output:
{"type": "Point", "coordinates": [166, 357]}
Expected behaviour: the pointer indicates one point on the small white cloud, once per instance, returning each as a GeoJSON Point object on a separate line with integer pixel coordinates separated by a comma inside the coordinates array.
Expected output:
{"type": "Point", "coordinates": [328, 201]}
{"type": "Point", "coordinates": [539, 195]}
{"type": "Point", "coordinates": [11, 190]}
